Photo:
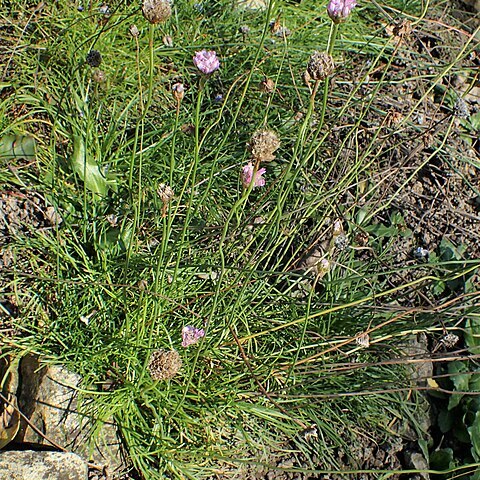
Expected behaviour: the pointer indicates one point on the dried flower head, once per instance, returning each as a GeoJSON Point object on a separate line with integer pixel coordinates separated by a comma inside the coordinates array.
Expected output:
{"type": "Point", "coordinates": [156, 11]}
{"type": "Point", "coordinates": [339, 10]}
{"type": "Point", "coordinates": [341, 242]}
{"type": "Point", "coordinates": [363, 339]}
{"type": "Point", "coordinates": [191, 335]}
{"type": "Point", "coordinates": [461, 109]}
{"type": "Point", "coordinates": [320, 66]}
{"type": "Point", "coordinates": [450, 340]}
{"type": "Point", "coordinates": [165, 193]}
{"type": "Point", "coordinates": [267, 85]}
{"type": "Point", "coordinates": [178, 90]}
{"type": "Point", "coordinates": [263, 144]}
{"type": "Point", "coordinates": [310, 433]}
{"type": "Point", "coordinates": [337, 228]}
{"type": "Point", "coordinates": [99, 76]}
{"type": "Point", "coordinates": [53, 217]}
{"type": "Point", "coordinates": [323, 266]}
{"type": "Point", "coordinates": [247, 176]}
{"type": "Point", "coordinates": [94, 58]}
{"type": "Point", "coordinates": [134, 32]}
{"type": "Point", "coordinates": [164, 364]}
{"type": "Point", "coordinates": [167, 40]}
{"type": "Point", "coordinates": [112, 219]}
{"type": "Point", "coordinates": [206, 62]}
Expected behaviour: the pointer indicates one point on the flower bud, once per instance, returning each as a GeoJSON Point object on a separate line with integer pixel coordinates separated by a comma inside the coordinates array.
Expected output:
{"type": "Point", "coordinates": [99, 76]}
{"type": "Point", "coordinates": [178, 90]}
{"type": "Point", "coordinates": [267, 85]}
{"type": "Point", "coordinates": [134, 32]}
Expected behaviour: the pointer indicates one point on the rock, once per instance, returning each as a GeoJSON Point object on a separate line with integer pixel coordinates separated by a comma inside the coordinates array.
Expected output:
{"type": "Point", "coordinates": [414, 350]}
{"type": "Point", "coordinates": [47, 396]}
{"type": "Point", "coordinates": [417, 460]}
{"type": "Point", "coordinates": [33, 465]}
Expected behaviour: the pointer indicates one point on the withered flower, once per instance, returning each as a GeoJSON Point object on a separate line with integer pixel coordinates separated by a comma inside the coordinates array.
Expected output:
{"type": "Point", "coordinates": [263, 144]}
{"type": "Point", "coordinates": [164, 364]}
{"type": "Point", "coordinates": [156, 11]}
{"type": "Point", "coordinates": [320, 66]}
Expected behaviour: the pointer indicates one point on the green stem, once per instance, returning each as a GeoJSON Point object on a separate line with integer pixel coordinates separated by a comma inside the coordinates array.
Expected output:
{"type": "Point", "coordinates": [330, 45]}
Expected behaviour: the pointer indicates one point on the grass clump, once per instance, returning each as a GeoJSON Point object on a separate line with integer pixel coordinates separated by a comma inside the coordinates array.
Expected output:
{"type": "Point", "coordinates": [249, 202]}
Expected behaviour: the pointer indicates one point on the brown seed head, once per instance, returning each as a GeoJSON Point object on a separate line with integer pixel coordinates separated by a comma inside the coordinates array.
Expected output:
{"type": "Point", "coordinates": [164, 364]}
{"type": "Point", "coordinates": [99, 76]}
{"type": "Point", "coordinates": [267, 85]}
{"type": "Point", "coordinates": [263, 144]}
{"type": "Point", "coordinates": [156, 11]}
{"type": "Point", "coordinates": [320, 66]}
{"type": "Point", "coordinates": [165, 193]}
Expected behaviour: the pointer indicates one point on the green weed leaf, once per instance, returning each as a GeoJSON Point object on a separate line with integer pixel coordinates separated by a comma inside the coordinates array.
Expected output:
{"type": "Point", "coordinates": [17, 146]}
{"type": "Point", "coordinates": [474, 432]}
{"type": "Point", "coordinates": [445, 420]}
{"type": "Point", "coordinates": [380, 230]}
{"type": "Point", "coordinates": [441, 459]}
{"type": "Point", "coordinates": [460, 381]}
{"type": "Point", "coordinates": [475, 121]}
{"type": "Point", "coordinates": [87, 169]}
{"type": "Point", "coordinates": [472, 334]}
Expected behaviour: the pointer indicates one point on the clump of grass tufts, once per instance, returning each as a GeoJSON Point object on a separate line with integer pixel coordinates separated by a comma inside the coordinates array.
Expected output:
{"type": "Point", "coordinates": [304, 289]}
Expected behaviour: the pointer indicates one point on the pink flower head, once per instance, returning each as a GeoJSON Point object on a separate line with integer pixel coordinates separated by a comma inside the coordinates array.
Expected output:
{"type": "Point", "coordinates": [339, 10]}
{"type": "Point", "coordinates": [206, 62]}
{"type": "Point", "coordinates": [191, 335]}
{"type": "Point", "coordinates": [247, 175]}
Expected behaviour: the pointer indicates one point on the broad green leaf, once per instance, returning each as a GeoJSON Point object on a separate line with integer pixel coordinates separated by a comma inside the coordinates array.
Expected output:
{"type": "Point", "coordinates": [126, 236]}
{"type": "Point", "coordinates": [475, 121]}
{"type": "Point", "coordinates": [476, 475]}
{"type": "Point", "coordinates": [449, 252]}
{"type": "Point", "coordinates": [87, 169]}
{"type": "Point", "coordinates": [380, 230]}
{"type": "Point", "coordinates": [17, 146]}
{"type": "Point", "coordinates": [460, 381]}
{"type": "Point", "coordinates": [441, 459]}
{"type": "Point", "coordinates": [474, 385]}
{"type": "Point", "coordinates": [472, 334]}
{"type": "Point", "coordinates": [474, 432]}
{"type": "Point", "coordinates": [445, 420]}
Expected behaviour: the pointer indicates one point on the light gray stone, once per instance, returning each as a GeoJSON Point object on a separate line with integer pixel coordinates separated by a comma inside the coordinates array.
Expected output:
{"type": "Point", "coordinates": [33, 465]}
{"type": "Point", "coordinates": [47, 396]}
